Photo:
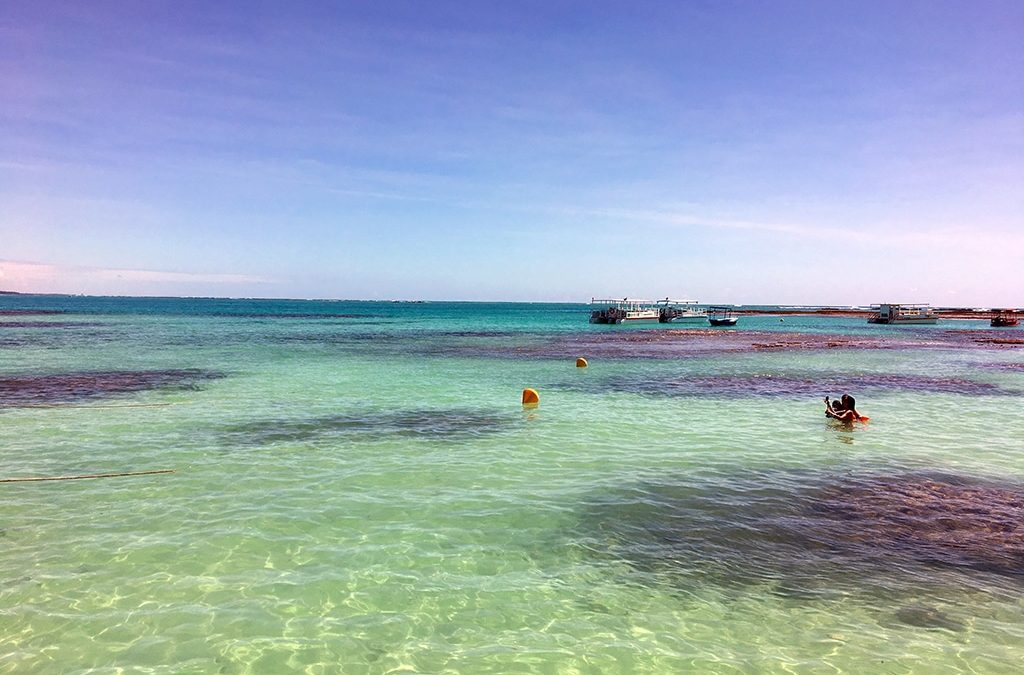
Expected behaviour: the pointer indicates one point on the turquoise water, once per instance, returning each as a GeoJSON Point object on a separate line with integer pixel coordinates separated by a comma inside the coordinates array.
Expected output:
{"type": "Point", "coordinates": [358, 489]}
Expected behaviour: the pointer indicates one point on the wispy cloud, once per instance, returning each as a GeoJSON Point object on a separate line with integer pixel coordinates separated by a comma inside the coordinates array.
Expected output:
{"type": "Point", "coordinates": [16, 275]}
{"type": "Point", "coordinates": [868, 233]}
{"type": "Point", "coordinates": [176, 277]}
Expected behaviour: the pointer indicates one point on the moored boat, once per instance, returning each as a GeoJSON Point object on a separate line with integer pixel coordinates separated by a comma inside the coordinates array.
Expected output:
{"type": "Point", "coordinates": [722, 316]}
{"type": "Point", "coordinates": [1004, 318]}
{"type": "Point", "coordinates": [681, 311]}
{"type": "Point", "coordinates": [892, 313]}
{"type": "Point", "coordinates": [623, 311]}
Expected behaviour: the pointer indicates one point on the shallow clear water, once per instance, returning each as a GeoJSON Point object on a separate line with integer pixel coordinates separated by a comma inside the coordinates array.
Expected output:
{"type": "Point", "coordinates": [357, 488]}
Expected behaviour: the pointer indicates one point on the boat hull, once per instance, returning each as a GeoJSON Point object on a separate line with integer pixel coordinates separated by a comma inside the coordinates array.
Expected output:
{"type": "Point", "coordinates": [618, 321]}
{"type": "Point", "coordinates": [914, 321]}
{"type": "Point", "coordinates": [896, 314]}
{"type": "Point", "coordinates": [613, 320]}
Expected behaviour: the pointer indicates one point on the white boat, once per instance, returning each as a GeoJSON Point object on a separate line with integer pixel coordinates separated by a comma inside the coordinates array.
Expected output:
{"type": "Point", "coordinates": [624, 311]}
{"type": "Point", "coordinates": [681, 311]}
{"type": "Point", "coordinates": [722, 316]}
{"type": "Point", "coordinates": [893, 313]}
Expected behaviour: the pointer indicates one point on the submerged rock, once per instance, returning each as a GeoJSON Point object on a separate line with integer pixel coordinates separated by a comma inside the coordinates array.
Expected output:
{"type": "Point", "coordinates": [921, 616]}
{"type": "Point", "coordinates": [445, 423]}
{"type": "Point", "coordinates": [773, 385]}
{"type": "Point", "coordinates": [804, 535]}
{"type": "Point", "coordinates": [28, 390]}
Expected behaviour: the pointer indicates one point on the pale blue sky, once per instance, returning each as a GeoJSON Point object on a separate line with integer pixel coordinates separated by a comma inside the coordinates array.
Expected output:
{"type": "Point", "coordinates": [749, 152]}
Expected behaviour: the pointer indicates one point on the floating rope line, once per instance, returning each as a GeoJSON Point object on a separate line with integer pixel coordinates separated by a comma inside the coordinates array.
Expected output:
{"type": "Point", "coordinates": [91, 475]}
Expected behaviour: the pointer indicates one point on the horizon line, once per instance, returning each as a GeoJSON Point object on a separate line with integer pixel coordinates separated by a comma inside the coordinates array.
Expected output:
{"type": "Point", "coordinates": [493, 302]}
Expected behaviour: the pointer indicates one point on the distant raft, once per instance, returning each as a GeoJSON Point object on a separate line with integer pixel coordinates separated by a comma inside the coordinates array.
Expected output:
{"type": "Point", "coordinates": [531, 398]}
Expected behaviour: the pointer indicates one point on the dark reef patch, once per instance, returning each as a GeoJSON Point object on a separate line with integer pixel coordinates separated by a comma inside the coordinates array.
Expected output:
{"type": "Point", "coordinates": [681, 343]}
{"type": "Point", "coordinates": [293, 315]}
{"type": "Point", "coordinates": [647, 344]}
{"type": "Point", "coordinates": [440, 424]}
{"type": "Point", "coordinates": [31, 312]}
{"type": "Point", "coordinates": [425, 339]}
{"type": "Point", "coordinates": [808, 535]}
{"type": "Point", "coordinates": [479, 334]}
{"type": "Point", "coordinates": [1001, 341]}
{"type": "Point", "coordinates": [58, 335]}
{"type": "Point", "coordinates": [12, 342]}
{"type": "Point", "coordinates": [660, 343]}
{"type": "Point", "coordinates": [761, 385]}
{"type": "Point", "coordinates": [378, 337]}
{"type": "Point", "coordinates": [923, 616]}
{"type": "Point", "coordinates": [1012, 367]}
{"type": "Point", "coordinates": [951, 521]}
{"type": "Point", "coordinates": [621, 343]}
{"type": "Point", "coordinates": [50, 324]}
{"type": "Point", "coordinates": [423, 343]}
{"type": "Point", "coordinates": [29, 390]}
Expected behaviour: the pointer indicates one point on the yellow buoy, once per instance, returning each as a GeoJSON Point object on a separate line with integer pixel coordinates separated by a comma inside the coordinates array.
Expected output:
{"type": "Point", "coordinates": [531, 397]}
{"type": "Point", "coordinates": [581, 362]}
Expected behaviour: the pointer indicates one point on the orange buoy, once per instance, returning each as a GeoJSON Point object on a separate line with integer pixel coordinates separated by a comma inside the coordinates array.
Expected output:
{"type": "Point", "coordinates": [531, 397]}
{"type": "Point", "coordinates": [581, 362]}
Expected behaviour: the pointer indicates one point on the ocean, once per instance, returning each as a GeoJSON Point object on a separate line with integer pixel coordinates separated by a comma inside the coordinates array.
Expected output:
{"type": "Point", "coordinates": [357, 488]}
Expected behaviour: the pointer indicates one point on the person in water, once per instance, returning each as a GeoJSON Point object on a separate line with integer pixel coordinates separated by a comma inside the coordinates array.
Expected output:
{"type": "Point", "coordinates": [844, 410]}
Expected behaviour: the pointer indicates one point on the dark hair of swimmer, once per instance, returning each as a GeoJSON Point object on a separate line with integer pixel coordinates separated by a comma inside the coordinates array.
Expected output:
{"type": "Point", "coordinates": [849, 403]}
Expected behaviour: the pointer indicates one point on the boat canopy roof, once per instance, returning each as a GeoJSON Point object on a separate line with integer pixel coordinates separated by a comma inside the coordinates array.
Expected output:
{"type": "Point", "coordinates": [620, 301]}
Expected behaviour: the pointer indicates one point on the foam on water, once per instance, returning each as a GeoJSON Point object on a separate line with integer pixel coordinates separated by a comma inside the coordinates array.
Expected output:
{"type": "Point", "coordinates": [358, 489]}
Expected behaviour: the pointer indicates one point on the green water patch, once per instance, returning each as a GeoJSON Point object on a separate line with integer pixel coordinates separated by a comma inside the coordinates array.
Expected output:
{"type": "Point", "coordinates": [78, 387]}
{"type": "Point", "coordinates": [733, 385]}
{"type": "Point", "coordinates": [445, 424]}
{"type": "Point", "coordinates": [887, 539]}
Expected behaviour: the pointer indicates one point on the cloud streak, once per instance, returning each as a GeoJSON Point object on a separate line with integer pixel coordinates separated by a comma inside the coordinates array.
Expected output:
{"type": "Point", "coordinates": [870, 233]}
{"type": "Point", "coordinates": [426, 149]}
{"type": "Point", "coordinates": [33, 277]}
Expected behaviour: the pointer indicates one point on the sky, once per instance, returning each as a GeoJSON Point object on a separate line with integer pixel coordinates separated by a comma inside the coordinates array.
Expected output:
{"type": "Point", "coordinates": [839, 152]}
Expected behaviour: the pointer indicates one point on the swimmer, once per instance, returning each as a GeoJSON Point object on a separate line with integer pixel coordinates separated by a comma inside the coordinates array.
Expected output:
{"type": "Point", "coordinates": [832, 406]}
{"type": "Point", "coordinates": [844, 410]}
